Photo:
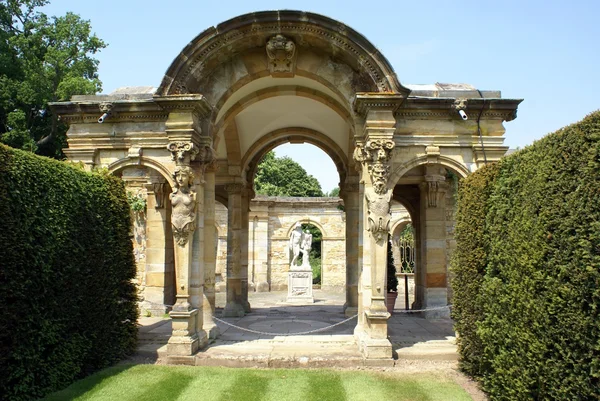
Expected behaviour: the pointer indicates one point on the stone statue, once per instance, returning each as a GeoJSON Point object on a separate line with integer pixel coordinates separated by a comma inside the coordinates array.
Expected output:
{"type": "Point", "coordinates": [183, 200]}
{"type": "Point", "coordinates": [295, 243]}
{"type": "Point", "coordinates": [306, 245]}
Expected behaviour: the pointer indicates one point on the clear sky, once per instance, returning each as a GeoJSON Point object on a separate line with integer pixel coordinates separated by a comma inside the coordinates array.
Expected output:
{"type": "Point", "coordinates": [546, 52]}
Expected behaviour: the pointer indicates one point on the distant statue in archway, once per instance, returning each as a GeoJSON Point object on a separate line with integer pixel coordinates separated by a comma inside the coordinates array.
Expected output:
{"type": "Point", "coordinates": [306, 246]}
{"type": "Point", "coordinates": [295, 244]}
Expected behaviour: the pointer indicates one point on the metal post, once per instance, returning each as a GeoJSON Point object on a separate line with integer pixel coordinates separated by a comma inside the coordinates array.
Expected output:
{"type": "Point", "coordinates": [406, 291]}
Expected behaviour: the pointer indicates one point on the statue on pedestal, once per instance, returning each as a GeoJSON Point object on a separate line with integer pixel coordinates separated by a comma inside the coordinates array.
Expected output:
{"type": "Point", "coordinates": [306, 246]}
{"type": "Point", "coordinates": [300, 241]}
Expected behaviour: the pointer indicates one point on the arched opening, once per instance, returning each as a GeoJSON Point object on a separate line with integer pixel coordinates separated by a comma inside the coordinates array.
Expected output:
{"type": "Point", "coordinates": [428, 191]}
{"type": "Point", "coordinates": [147, 191]}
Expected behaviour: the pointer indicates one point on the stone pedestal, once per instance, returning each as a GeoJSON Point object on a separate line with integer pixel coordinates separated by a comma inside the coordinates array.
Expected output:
{"type": "Point", "coordinates": [185, 340]}
{"type": "Point", "coordinates": [300, 285]}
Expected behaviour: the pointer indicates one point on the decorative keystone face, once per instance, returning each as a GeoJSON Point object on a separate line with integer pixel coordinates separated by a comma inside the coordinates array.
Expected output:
{"type": "Point", "coordinates": [182, 152]}
{"type": "Point", "coordinates": [281, 51]}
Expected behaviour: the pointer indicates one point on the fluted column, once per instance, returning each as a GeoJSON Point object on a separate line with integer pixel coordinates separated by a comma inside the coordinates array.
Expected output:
{"type": "Point", "coordinates": [235, 298]}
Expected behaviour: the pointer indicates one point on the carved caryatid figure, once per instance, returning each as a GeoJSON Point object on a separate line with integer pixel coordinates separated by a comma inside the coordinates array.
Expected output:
{"type": "Point", "coordinates": [183, 200]}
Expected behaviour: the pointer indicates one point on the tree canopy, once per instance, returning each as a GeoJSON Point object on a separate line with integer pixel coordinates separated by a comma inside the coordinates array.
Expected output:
{"type": "Point", "coordinates": [281, 176]}
{"type": "Point", "coordinates": [42, 59]}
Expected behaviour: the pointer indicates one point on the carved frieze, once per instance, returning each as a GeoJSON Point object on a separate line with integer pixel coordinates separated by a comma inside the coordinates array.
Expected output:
{"type": "Point", "coordinates": [281, 52]}
{"type": "Point", "coordinates": [183, 201]}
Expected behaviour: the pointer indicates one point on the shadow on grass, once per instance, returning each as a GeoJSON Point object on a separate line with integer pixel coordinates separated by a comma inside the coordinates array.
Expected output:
{"type": "Point", "coordinates": [250, 386]}
{"type": "Point", "coordinates": [88, 384]}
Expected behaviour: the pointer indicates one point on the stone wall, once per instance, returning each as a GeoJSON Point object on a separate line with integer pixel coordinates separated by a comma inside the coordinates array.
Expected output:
{"type": "Point", "coordinates": [271, 220]}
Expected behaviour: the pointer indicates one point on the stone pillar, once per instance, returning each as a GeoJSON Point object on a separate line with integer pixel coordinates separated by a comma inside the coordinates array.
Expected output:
{"type": "Point", "coordinates": [350, 195]}
{"type": "Point", "coordinates": [234, 306]}
{"type": "Point", "coordinates": [159, 267]}
{"type": "Point", "coordinates": [210, 256]}
{"type": "Point", "coordinates": [259, 248]}
{"type": "Point", "coordinates": [246, 195]}
{"type": "Point", "coordinates": [186, 317]}
{"type": "Point", "coordinates": [373, 154]}
{"type": "Point", "coordinates": [432, 269]}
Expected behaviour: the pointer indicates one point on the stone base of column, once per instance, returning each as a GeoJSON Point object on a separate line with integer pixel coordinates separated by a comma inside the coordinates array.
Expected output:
{"type": "Point", "coordinates": [436, 299]}
{"type": "Point", "coordinates": [373, 348]}
{"type": "Point", "coordinates": [350, 310]}
{"type": "Point", "coordinates": [300, 285]}
{"type": "Point", "coordinates": [212, 331]}
{"type": "Point", "coordinates": [184, 340]}
{"type": "Point", "coordinates": [262, 286]}
{"type": "Point", "coordinates": [233, 309]}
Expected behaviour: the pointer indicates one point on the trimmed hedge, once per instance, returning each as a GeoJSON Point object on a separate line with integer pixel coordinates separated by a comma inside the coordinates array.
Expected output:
{"type": "Point", "coordinates": [66, 270]}
{"type": "Point", "coordinates": [527, 264]}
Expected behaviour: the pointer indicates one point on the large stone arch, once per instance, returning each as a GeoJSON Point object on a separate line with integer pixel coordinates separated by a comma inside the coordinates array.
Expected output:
{"type": "Point", "coordinates": [204, 54]}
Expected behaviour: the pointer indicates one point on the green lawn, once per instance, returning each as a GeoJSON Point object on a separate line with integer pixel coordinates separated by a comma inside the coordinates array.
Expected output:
{"type": "Point", "coordinates": [152, 382]}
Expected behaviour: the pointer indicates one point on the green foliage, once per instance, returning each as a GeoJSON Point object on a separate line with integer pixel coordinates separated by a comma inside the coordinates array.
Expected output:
{"type": "Point", "coordinates": [537, 271]}
{"type": "Point", "coordinates": [315, 250]}
{"type": "Point", "coordinates": [137, 203]}
{"type": "Point", "coordinates": [335, 193]}
{"type": "Point", "coordinates": [468, 264]}
{"type": "Point", "coordinates": [42, 60]}
{"type": "Point", "coordinates": [68, 301]}
{"type": "Point", "coordinates": [407, 233]}
{"type": "Point", "coordinates": [281, 176]}
{"type": "Point", "coordinates": [392, 280]}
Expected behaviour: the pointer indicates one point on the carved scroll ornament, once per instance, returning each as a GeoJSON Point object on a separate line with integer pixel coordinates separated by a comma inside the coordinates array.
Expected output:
{"type": "Point", "coordinates": [183, 200]}
{"type": "Point", "coordinates": [182, 152]}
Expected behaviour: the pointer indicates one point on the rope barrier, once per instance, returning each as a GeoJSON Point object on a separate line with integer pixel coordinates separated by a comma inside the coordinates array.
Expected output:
{"type": "Point", "coordinates": [300, 333]}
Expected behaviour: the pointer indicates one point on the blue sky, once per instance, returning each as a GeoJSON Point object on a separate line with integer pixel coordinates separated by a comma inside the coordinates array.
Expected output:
{"type": "Point", "coordinates": [546, 52]}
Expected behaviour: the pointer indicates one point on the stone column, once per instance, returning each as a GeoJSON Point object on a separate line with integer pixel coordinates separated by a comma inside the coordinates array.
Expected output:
{"type": "Point", "coordinates": [234, 306]}
{"type": "Point", "coordinates": [350, 195]}
{"type": "Point", "coordinates": [185, 339]}
{"type": "Point", "coordinates": [159, 270]}
{"type": "Point", "coordinates": [210, 256]}
{"type": "Point", "coordinates": [259, 247]}
{"type": "Point", "coordinates": [246, 195]}
{"type": "Point", "coordinates": [373, 153]}
{"type": "Point", "coordinates": [432, 269]}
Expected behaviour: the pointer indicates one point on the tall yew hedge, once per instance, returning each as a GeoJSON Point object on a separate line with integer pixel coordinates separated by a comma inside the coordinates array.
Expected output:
{"type": "Point", "coordinates": [67, 302]}
{"type": "Point", "coordinates": [527, 265]}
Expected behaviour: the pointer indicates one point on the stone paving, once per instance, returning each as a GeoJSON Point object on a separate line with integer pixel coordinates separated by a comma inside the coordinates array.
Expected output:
{"type": "Point", "coordinates": [413, 337]}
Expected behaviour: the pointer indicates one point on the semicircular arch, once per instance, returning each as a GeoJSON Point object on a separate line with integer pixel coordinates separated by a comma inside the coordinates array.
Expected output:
{"type": "Point", "coordinates": [145, 162]}
{"type": "Point", "coordinates": [307, 220]}
{"type": "Point", "coordinates": [293, 135]}
{"type": "Point", "coordinates": [206, 53]}
{"type": "Point", "coordinates": [445, 161]}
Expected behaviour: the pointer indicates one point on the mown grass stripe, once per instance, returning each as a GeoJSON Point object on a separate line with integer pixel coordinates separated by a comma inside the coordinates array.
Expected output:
{"type": "Point", "coordinates": [326, 385]}
{"type": "Point", "coordinates": [248, 385]}
{"type": "Point", "coordinates": [209, 383]}
{"type": "Point", "coordinates": [362, 386]}
{"type": "Point", "coordinates": [287, 385]}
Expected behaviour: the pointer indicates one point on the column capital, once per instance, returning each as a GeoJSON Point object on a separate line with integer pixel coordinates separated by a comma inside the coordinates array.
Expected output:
{"type": "Point", "coordinates": [182, 152]}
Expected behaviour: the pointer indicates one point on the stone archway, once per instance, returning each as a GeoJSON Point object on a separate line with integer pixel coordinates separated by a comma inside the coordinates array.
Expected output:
{"type": "Point", "coordinates": [263, 78]}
